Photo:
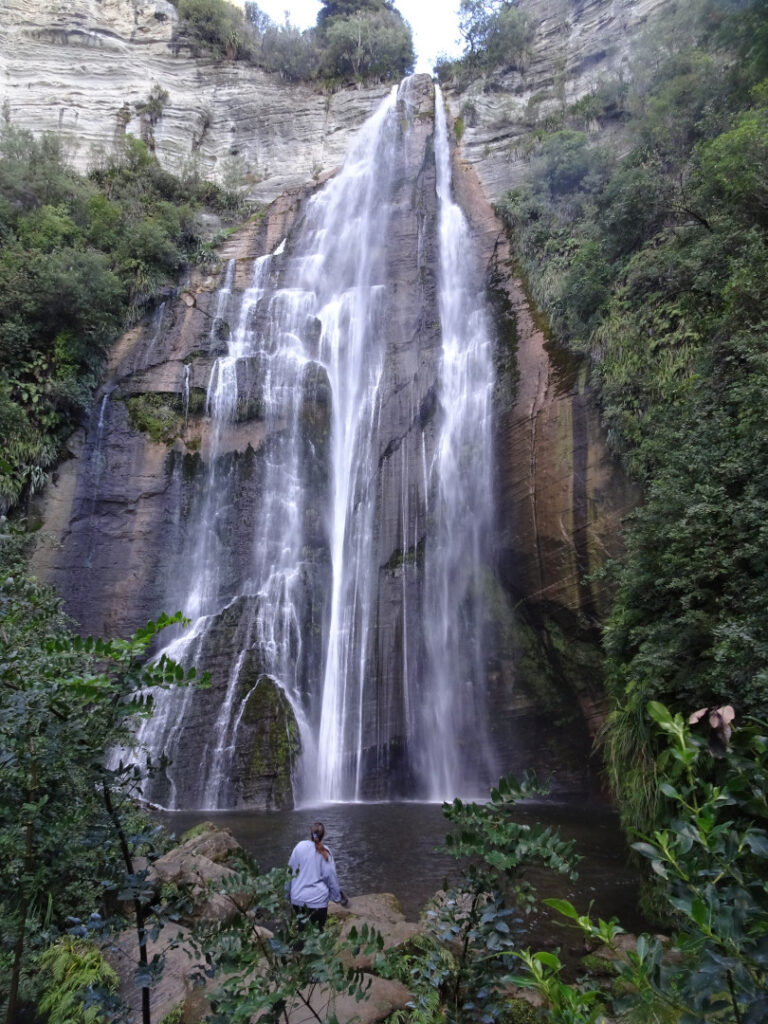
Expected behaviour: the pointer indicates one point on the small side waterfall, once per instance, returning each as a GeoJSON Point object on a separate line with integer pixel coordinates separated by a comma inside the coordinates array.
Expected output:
{"type": "Point", "coordinates": [333, 548]}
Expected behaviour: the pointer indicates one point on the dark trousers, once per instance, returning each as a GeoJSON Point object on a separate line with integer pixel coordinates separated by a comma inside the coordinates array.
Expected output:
{"type": "Point", "coordinates": [311, 915]}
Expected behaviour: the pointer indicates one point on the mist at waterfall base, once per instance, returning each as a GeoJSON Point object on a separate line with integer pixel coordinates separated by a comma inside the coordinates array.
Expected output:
{"type": "Point", "coordinates": [391, 848]}
{"type": "Point", "coordinates": [357, 584]}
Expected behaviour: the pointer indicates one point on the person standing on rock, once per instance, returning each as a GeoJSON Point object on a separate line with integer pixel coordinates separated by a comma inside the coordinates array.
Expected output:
{"type": "Point", "coordinates": [313, 878]}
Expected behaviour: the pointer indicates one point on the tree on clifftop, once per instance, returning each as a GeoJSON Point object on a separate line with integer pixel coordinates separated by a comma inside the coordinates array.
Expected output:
{"type": "Point", "coordinates": [364, 39]}
{"type": "Point", "coordinates": [346, 8]}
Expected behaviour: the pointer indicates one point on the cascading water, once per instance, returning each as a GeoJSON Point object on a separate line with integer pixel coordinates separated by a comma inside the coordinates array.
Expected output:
{"type": "Point", "coordinates": [449, 722]}
{"type": "Point", "coordinates": [351, 577]}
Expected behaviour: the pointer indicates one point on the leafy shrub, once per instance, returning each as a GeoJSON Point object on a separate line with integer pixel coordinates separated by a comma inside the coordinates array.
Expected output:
{"type": "Point", "coordinates": [508, 36]}
{"type": "Point", "coordinates": [68, 825]}
{"type": "Point", "coordinates": [709, 862]}
{"type": "Point", "coordinates": [368, 45]}
{"type": "Point", "coordinates": [81, 256]}
{"type": "Point", "coordinates": [295, 55]}
{"type": "Point", "coordinates": [497, 35]}
{"type": "Point", "coordinates": [457, 970]}
{"type": "Point", "coordinates": [354, 39]}
{"type": "Point", "coordinates": [300, 971]}
{"type": "Point", "coordinates": [216, 27]}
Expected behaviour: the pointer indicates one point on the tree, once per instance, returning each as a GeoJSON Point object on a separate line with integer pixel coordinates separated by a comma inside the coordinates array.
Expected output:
{"type": "Point", "coordinates": [368, 45]}
{"type": "Point", "coordinates": [64, 702]}
{"type": "Point", "coordinates": [347, 8]}
{"type": "Point", "coordinates": [495, 32]}
{"type": "Point", "coordinates": [216, 27]}
{"type": "Point", "coordinates": [457, 971]}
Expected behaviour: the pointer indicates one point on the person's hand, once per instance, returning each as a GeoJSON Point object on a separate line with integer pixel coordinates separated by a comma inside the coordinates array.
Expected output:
{"type": "Point", "coordinates": [343, 901]}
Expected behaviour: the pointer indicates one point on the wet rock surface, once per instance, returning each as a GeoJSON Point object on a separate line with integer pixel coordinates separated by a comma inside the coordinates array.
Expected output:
{"type": "Point", "coordinates": [120, 513]}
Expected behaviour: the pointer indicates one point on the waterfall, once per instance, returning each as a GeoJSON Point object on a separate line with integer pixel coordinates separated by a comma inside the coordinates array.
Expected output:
{"type": "Point", "coordinates": [451, 720]}
{"type": "Point", "coordinates": [97, 461]}
{"type": "Point", "coordinates": [335, 542]}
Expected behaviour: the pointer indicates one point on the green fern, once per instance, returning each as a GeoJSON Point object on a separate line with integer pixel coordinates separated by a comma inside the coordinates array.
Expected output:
{"type": "Point", "coordinates": [71, 968]}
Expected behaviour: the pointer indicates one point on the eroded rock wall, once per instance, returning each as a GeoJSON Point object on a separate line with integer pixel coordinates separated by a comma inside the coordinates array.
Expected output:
{"type": "Point", "coordinates": [120, 513]}
{"type": "Point", "coordinates": [578, 45]}
{"type": "Point", "coordinates": [81, 67]}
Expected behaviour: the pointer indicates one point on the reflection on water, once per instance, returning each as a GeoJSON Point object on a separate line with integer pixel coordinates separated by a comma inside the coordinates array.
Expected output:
{"type": "Point", "coordinates": [391, 848]}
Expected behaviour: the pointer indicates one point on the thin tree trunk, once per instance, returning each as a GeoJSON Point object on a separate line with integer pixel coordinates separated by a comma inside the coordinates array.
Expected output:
{"type": "Point", "coordinates": [141, 929]}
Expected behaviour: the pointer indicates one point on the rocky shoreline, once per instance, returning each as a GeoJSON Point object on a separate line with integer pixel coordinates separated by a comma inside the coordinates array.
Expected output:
{"type": "Point", "coordinates": [198, 865]}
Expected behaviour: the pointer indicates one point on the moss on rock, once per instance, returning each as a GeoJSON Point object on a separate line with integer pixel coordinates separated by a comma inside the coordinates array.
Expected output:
{"type": "Point", "coordinates": [159, 415]}
{"type": "Point", "coordinates": [273, 738]}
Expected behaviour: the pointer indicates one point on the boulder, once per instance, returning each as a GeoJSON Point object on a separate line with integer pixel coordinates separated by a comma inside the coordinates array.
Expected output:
{"type": "Point", "coordinates": [379, 911]}
{"type": "Point", "coordinates": [214, 843]}
{"type": "Point", "coordinates": [383, 998]}
{"type": "Point", "coordinates": [197, 865]}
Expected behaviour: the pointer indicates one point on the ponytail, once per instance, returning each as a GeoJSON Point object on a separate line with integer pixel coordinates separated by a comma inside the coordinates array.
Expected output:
{"type": "Point", "coordinates": [316, 834]}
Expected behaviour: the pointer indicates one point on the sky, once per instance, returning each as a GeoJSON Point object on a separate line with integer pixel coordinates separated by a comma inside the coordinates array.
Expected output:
{"type": "Point", "coordinates": [434, 23]}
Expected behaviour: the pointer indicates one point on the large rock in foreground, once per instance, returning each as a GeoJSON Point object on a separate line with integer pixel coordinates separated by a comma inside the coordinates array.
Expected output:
{"type": "Point", "coordinates": [200, 863]}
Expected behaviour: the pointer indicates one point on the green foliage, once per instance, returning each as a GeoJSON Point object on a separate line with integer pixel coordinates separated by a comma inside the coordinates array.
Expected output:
{"type": "Point", "coordinates": [710, 859]}
{"type": "Point", "coordinates": [68, 829]}
{"type": "Point", "coordinates": [158, 415]}
{"type": "Point", "coordinates": [457, 972]}
{"type": "Point", "coordinates": [73, 970]}
{"type": "Point", "coordinates": [330, 9]}
{"type": "Point", "coordinates": [732, 167]}
{"type": "Point", "coordinates": [295, 55]}
{"type": "Point", "coordinates": [215, 27]}
{"type": "Point", "coordinates": [566, 1004]}
{"type": "Point", "coordinates": [655, 266]}
{"type": "Point", "coordinates": [366, 45]}
{"type": "Point", "coordinates": [299, 971]}
{"type": "Point", "coordinates": [356, 40]}
{"type": "Point", "coordinates": [565, 163]}
{"type": "Point", "coordinates": [81, 256]}
{"type": "Point", "coordinates": [175, 1016]}
{"type": "Point", "coordinates": [497, 35]}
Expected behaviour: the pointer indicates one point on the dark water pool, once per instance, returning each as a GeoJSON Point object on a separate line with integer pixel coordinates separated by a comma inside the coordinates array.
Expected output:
{"type": "Point", "coordinates": [391, 848]}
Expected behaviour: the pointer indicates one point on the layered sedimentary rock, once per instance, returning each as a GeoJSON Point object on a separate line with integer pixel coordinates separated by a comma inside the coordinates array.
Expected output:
{"type": "Point", "coordinates": [83, 67]}
{"type": "Point", "coordinates": [578, 46]}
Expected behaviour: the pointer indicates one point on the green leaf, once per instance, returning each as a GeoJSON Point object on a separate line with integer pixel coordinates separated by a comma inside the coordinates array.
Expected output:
{"type": "Point", "coordinates": [562, 907]}
{"type": "Point", "coordinates": [659, 713]}
{"type": "Point", "coordinates": [646, 850]}
{"type": "Point", "coordinates": [548, 959]}
{"type": "Point", "coordinates": [757, 842]}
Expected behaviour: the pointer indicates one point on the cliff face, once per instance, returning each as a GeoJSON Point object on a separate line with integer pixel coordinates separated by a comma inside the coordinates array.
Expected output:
{"type": "Point", "coordinates": [578, 45]}
{"type": "Point", "coordinates": [156, 477]}
{"type": "Point", "coordinates": [80, 67]}
{"type": "Point", "coordinates": [114, 508]}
